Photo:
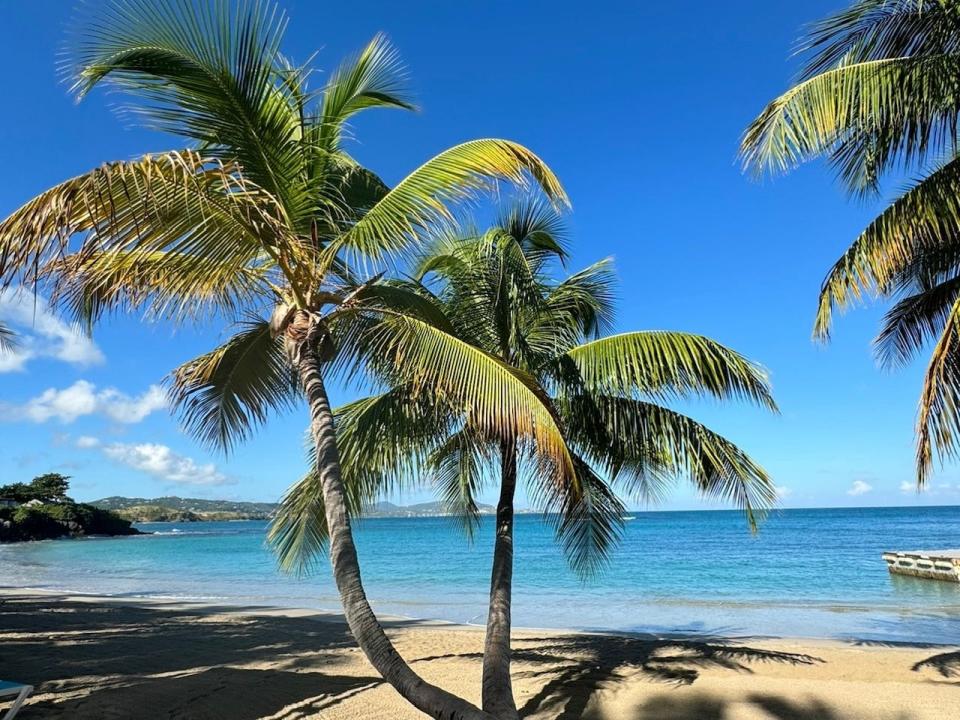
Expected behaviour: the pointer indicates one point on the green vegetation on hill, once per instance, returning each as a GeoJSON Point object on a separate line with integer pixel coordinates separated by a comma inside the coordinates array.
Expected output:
{"type": "Point", "coordinates": [177, 509]}
{"type": "Point", "coordinates": [41, 510]}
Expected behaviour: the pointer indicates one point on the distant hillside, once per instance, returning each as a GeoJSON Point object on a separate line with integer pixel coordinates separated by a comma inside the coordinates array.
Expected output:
{"type": "Point", "coordinates": [428, 509]}
{"type": "Point", "coordinates": [177, 509]}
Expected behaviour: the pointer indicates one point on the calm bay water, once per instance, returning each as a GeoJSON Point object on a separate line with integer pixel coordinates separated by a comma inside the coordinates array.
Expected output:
{"type": "Point", "coordinates": [814, 573]}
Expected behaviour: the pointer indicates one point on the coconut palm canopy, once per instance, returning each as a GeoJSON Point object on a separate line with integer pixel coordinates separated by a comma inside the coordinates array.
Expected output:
{"type": "Point", "coordinates": [497, 291]}
{"type": "Point", "coordinates": [877, 97]}
{"type": "Point", "coordinates": [261, 209]}
{"type": "Point", "coordinates": [262, 219]}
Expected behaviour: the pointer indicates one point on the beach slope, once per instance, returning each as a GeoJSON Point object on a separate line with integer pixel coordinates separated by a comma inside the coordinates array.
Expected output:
{"type": "Point", "coordinates": [101, 659]}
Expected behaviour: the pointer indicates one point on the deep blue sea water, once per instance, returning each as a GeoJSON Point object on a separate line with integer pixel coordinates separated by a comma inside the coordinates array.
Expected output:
{"type": "Point", "coordinates": [810, 573]}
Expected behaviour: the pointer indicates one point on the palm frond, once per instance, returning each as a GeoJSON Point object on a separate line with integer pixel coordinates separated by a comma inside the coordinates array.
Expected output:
{"type": "Point", "coordinates": [374, 78]}
{"type": "Point", "coordinates": [211, 74]}
{"type": "Point", "coordinates": [938, 423]}
{"type": "Point", "coordinates": [499, 401]}
{"type": "Point", "coordinates": [867, 117]}
{"type": "Point", "coordinates": [915, 321]}
{"type": "Point", "coordinates": [298, 532]}
{"type": "Point", "coordinates": [385, 440]}
{"type": "Point", "coordinates": [646, 445]}
{"type": "Point", "coordinates": [537, 227]}
{"type": "Point", "coordinates": [457, 468]}
{"type": "Point", "coordinates": [589, 522]}
{"type": "Point", "coordinates": [175, 202]}
{"type": "Point", "coordinates": [669, 364]}
{"type": "Point", "coordinates": [421, 201]}
{"type": "Point", "coordinates": [582, 306]}
{"type": "Point", "coordinates": [172, 285]}
{"type": "Point", "coordinates": [222, 396]}
{"type": "Point", "coordinates": [876, 29]}
{"type": "Point", "coordinates": [925, 220]}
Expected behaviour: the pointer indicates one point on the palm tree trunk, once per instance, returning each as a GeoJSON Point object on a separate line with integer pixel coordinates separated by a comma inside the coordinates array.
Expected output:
{"type": "Point", "coordinates": [366, 629]}
{"type": "Point", "coordinates": [497, 688]}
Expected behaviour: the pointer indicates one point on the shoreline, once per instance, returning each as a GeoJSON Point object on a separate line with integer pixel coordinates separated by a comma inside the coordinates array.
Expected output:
{"type": "Point", "coordinates": [98, 657]}
{"type": "Point", "coordinates": [227, 607]}
{"type": "Point", "coordinates": [267, 609]}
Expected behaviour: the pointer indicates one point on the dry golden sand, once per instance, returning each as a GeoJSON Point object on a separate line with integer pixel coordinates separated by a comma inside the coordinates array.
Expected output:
{"type": "Point", "coordinates": [96, 660]}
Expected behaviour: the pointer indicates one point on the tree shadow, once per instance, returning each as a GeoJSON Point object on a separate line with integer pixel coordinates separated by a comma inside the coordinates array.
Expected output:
{"type": "Point", "coordinates": [704, 706]}
{"type": "Point", "coordinates": [947, 664]}
{"type": "Point", "coordinates": [576, 667]}
{"type": "Point", "coordinates": [107, 661]}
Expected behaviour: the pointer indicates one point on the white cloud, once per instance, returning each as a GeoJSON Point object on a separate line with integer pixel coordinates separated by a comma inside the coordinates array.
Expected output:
{"type": "Point", "coordinates": [82, 398]}
{"type": "Point", "coordinates": [40, 333]}
{"type": "Point", "coordinates": [164, 464]}
{"type": "Point", "coordinates": [783, 492]}
{"type": "Point", "coordinates": [85, 442]}
{"type": "Point", "coordinates": [129, 410]}
{"type": "Point", "coordinates": [859, 487]}
{"type": "Point", "coordinates": [907, 487]}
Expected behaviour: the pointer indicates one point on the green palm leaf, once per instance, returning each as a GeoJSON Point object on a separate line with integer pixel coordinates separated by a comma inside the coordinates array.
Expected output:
{"type": "Point", "coordinates": [375, 78]}
{"type": "Point", "coordinates": [494, 398]}
{"type": "Point", "coordinates": [385, 440]}
{"type": "Point", "coordinates": [422, 200]}
{"type": "Point", "coordinates": [211, 76]}
{"type": "Point", "coordinates": [646, 445]}
{"type": "Point", "coordinates": [866, 116]}
{"type": "Point", "coordinates": [587, 516]}
{"type": "Point", "coordinates": [914, 321]}
{"type": "Point", "coordinates": [938, 423]}
{"type": "Point", "coordinates": [457, 467]}
{"type": "Point", "coordinates": [923, 221]}
{"type": "Point", "coordinates": [224, 395]}
{"type": "Point", "coordinates": [669, 364]}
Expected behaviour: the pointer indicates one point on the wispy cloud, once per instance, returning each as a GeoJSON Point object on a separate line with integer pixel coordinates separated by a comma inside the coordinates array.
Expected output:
{"type": "Point", "coordinates": [859, 487]}
{"type": "Point", "coordinates": [42, 334]}
{"type": "Point", "coordinates": [85, 442]}
{"type": "Point", "coordinates": [783, 492]}
{"type": "Point", "coordinates": [165, 465]}
{"type": "Point", "coordinates": [82, 398]}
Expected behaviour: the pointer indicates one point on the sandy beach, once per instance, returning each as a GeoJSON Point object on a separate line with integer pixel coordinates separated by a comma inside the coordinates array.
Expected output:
{"type": "Point", "coordinates": [94, 658]}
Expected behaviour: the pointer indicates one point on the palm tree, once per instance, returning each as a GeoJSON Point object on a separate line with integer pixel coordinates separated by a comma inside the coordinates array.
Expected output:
{"type": "Point", "coordinates": [266, 221]}
{"type": "Point", "coordinates": [496, 291]}
{"type": "Point", "coordinates": [878, 95]}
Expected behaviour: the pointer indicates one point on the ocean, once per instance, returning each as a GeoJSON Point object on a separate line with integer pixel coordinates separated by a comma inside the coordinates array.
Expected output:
{"type": "Point", "coordinates": [808, 573]}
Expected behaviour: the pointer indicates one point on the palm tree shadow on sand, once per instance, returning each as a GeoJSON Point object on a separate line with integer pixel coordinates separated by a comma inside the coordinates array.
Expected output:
{"type": "Point", "coordinates": [576, 667]}
{"type": "Point", "coordinates": [103, 661]}
{"type": "Point", "coordinates": [704, 706]}
{"type": "Point", "coordinates": [947, 664]}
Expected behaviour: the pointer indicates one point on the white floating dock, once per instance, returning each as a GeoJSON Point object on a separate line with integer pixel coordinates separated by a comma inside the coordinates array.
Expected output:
{"type": "Point", "coordinates": [930, 564]}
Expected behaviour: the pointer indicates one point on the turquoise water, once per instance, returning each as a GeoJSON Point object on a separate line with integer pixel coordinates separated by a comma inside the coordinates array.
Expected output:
{"type": "Point", "coordinates": [812, 573]}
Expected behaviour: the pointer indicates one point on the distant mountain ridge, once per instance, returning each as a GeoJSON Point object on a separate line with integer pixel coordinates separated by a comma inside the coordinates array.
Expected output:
{"type": "Point", "coordinates": [177, 509]}
{"type": "Point", "coordinates": [427, 509]}
{"type": "Point", "coordinates": [194, 505]}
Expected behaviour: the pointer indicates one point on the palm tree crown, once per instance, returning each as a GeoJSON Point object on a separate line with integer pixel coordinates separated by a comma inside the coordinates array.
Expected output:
{"type": "Point", "coordinates": [263, 219]}
{"type": "Point", "coordinates": [495, 291]}
{"type": "Point", "coordinates": [878, 96]}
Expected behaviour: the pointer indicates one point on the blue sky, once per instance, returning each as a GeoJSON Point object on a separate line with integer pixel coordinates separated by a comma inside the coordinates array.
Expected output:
{"type": "Point", "coordinates": [638, 107]}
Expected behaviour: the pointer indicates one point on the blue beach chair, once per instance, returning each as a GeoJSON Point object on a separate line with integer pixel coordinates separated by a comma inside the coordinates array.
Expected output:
{"type": "Point", "coordinates": [17, 692]}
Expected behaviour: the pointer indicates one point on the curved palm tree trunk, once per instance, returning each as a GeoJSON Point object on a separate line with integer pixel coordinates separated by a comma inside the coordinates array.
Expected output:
{"type": "Point", "coordinates": [366, 629]}
{"type": "Point", "coordinates": [497, 688]}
